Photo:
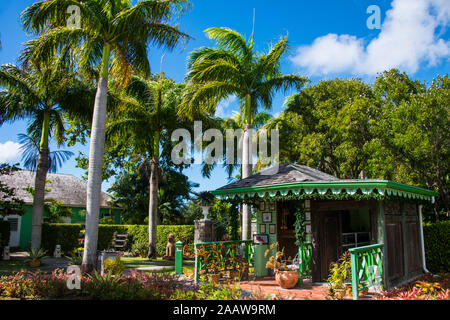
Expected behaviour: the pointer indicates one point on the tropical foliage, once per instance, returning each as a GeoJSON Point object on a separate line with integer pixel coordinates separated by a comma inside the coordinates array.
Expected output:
{"type": "Point", "coordinates": [10, 204]}
{"type": "Point", "coordinates": [234, 68]}
{"type": "Point", "coordinates": [395, 129]}
{"type": "Point", "coordinates": [37, 92]}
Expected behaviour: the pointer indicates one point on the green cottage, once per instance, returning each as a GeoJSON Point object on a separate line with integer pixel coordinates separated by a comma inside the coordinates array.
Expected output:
{"type": "Point", "coordinates": [62, 187]}
{"type": "Point", "coordinates": [319, 217]}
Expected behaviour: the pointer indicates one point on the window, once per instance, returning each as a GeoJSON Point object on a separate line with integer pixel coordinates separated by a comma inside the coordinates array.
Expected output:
{"type": "Point", "coordinates": [355, 228]}
{"type": "Point", "coordinates": [14, 223]}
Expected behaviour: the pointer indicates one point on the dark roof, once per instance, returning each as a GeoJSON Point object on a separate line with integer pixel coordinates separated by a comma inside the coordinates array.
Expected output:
{"type": "Point", "coordinates": [286, 173]}
{"type": "Point", "coordinates": [292, 179]}
{"type": "Point", "coordinates": [63, 187]}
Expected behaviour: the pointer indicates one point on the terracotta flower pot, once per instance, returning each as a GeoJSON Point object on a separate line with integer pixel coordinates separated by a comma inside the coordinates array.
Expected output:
{"type": "Point", "coordinates": [35, 263]}
{"type": "Point", "coordinates": [349, 290]}
{"type": "Point", "coordinates": [286, 279]}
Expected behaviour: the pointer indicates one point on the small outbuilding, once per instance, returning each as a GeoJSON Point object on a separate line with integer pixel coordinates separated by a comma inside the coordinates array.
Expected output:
{"type": "Point", "coordinates": [319, 217]}
{"type": "Point", "coordinates": [66, 188]}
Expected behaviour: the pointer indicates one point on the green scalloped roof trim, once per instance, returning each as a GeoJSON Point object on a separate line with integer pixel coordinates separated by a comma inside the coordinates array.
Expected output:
{"type": "Point", "coordinates": [328, 190]}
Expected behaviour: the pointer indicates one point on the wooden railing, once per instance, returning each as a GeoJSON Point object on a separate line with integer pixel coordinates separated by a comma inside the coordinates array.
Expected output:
{"type": "Point", "coordinates": [214, 257]}
{"type": "Point", "coordinates": [367, 267]}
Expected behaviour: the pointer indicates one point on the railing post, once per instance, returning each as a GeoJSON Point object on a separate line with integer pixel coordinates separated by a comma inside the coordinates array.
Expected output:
{"type": "Point", "coordinates": [300, 266]}
{"type": "Point", "coordinates": [197, 264]}
{"type": "Point", "coordinates": [355, 274]}
{"type": "Point", "coordinates": [245, 251]}
{"type": "Point", "coordinates": [179, 257]}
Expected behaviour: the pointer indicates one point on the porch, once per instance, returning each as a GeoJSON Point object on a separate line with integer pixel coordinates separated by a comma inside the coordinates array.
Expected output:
{"type": "Point", "coordinates": [308, 291]}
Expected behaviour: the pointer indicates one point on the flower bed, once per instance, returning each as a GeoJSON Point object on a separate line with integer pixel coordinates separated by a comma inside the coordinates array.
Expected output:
{"type": "Point", "coordinates": [133, 286]}
{"type": "Point", "coordinates": [427, 287]}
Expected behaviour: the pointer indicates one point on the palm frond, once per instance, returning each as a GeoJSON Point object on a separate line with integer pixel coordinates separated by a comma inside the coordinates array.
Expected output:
{"type": "Point", "coordinates": [30, 154]}
{"type": "Point", "coordinates": [229, 39]}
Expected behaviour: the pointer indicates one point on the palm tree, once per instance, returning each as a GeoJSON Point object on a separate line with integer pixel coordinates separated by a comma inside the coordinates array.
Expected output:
{"type": "Point", "coordinates": [234, 68]}
{"type": "Point", "coordinates": [112, 30]}
{"type": "Point", "coordinates": [35, 93]}
{"type": "Point", "coordinates": [146, 121]}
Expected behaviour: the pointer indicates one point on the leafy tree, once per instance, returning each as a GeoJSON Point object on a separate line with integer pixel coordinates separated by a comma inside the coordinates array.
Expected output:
{"type": "Point", "coordinates": [416, 132]}
{"type": "Point", "coordinates": [131, 192]}
{"type": "Point", "coordinates": [36, 92]}
{"type": "Point", "coordinates": [327, 126]}
{"type": "Point", "coordinates": [10, 204]}
{"type": "Point", "coordinates": [394, 129]}
{"type": "Point", "coordinates": [113, 40]}
{"type": "Point", "coordinates": [146, 122]}
{"type": "Point", "coordinates": [234, 68]}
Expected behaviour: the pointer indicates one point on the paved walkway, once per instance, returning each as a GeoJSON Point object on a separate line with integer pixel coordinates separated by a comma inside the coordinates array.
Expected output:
{"type": "Point", "coordinates": [309, 291]}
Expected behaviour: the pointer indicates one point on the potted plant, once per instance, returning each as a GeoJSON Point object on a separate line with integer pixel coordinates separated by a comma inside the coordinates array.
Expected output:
{"type": "Point", "coordinates": [35, 257]}
{"type": "Point", "coordinates": [205, 199]}
{"type": "Point", "coordinates": [286, 278]}
{"type": "Point", "coordinates": [339, 274]}
{"type": "Point", "coordinates": [76, 258]}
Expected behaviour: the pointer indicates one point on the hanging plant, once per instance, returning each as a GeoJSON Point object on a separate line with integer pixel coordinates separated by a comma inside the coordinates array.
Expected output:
{"type": "Point", "coordinates": [299, 225]}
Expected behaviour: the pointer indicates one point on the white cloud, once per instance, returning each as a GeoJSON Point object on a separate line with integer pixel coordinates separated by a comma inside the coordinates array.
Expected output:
{"type": "Point", "coordinates": [408, 37]}
{"type": "Point", "coordinates": [9, 151]}
{"type": "Point", "coordinates": [221, 110]}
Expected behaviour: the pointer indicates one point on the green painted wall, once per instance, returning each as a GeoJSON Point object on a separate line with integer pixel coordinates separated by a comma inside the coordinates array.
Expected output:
{"type": "Point", "coordinates": [25, 225]}
{"type": "Point", "coordinates": [259, 222]}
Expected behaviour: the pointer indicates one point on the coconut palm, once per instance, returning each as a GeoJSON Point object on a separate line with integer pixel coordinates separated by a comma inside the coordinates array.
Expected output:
{"type": "Point", "coordinates": [146, 122]}
{"type": "Point", "coordinates": [235, 68]}
{"type": "Point", "coordinates": [112, 41]}
{"type": "Point", "coordinates": [35, 93]}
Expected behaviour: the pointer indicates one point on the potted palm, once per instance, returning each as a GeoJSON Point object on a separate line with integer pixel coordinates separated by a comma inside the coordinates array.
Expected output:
{"type": "Point", "coordinates": [35, 257]}
{"type": "Point", "coordinates": [286, 278]}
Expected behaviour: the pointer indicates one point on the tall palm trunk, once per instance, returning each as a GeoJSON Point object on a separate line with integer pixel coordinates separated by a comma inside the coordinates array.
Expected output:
{"type": "Point", "coordinates": [153, 209]}
{"type": "Point", "coordinates": [39, 186]}
{"type": "Point", "coordinates": [96, 151]}
{"type": "Point", "coordinates": [246, 172]}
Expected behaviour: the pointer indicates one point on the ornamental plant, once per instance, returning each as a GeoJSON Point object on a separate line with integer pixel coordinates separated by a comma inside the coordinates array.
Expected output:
{"type": "Point", "coordinates": [429, 287]}
{"type": "Point", "coordinates": [340, 272]}
{"type": "Point", "coordinates": [276, 261]}
{"type": "Point", "coordinates": [36, 254]}
{"type": "Point", "coordinates": [114, 266]}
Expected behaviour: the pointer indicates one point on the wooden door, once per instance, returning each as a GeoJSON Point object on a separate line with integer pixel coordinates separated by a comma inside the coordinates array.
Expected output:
{"type": "Point", "coordinates": [328, 243]}
{"type": "Point", "coordinates": [285, 228]}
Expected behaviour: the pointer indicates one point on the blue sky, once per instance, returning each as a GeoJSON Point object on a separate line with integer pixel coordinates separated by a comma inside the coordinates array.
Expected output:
{"type": "Point", "coordinates": [328, 39]}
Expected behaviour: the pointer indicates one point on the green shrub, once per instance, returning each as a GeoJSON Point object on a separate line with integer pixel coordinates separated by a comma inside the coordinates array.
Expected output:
{"type": "Point", "coordinates": [67, 236]}
{"type": "Point", "coordinates": [437, 246]}
{"type": "Point", "coordinates": [63, 234]}
{"type": "Point", "coordinates": [5, 230]}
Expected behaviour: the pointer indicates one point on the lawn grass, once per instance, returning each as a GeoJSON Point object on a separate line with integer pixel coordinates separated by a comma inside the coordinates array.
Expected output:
{"type": "Point", "coordinates": [14, 265]}
{"type": "Point", "coordinates": [137, 262]}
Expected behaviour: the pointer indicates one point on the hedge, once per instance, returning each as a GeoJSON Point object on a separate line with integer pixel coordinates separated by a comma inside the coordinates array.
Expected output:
{"type": "Point", "coordinates": [437, 246]}
{"type": "Point", "coordinates": [5, 230]}
{"type": "Point", "coordinates": [67, 235]}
